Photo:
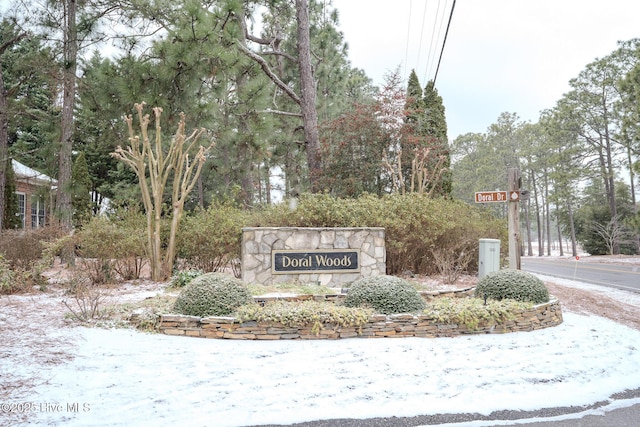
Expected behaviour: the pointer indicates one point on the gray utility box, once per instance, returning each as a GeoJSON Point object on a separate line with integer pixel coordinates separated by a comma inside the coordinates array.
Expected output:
{"type": "Point", "coordinates": [489, 257]}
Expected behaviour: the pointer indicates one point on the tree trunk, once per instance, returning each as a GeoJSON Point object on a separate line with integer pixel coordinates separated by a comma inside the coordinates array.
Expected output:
{"type": "Point", "coordinates": [574, 245]}
{"type": "Point", "coordinates": [63, 196]}
{"type": "Point", "coordinates": [612, 188]}
{"type": "Point", "coordinates": [538, 221]}
{"type": "Point", "coordinates": [267, 182]}
{"type": "Point", "coordinates": [528, 225]}
{"type": "Point", "coordinates": [559, 234]}
{"type": "Point", "coordinates": [547, 212]}
{"type": "Point", "coordinates": [632, 187]}
{"type": "Point", "coordinates": [514, 220]}
{"type": "Point", "coordinates": [308, 94]}
{"type": "Point", "coordinates": [245, 153]}
{"type": "Point", "coordinates": [4, 142]}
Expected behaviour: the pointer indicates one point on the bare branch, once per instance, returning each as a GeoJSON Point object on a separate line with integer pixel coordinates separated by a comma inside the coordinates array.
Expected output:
{"type": "Point", "coordinates": [265, 67]}
{"type": "Point", "coordinates": [279, 53]}
{"type": "Point", "coordinates": [14, 40]}
{"type": "Point", "coordinates": [280, 113]}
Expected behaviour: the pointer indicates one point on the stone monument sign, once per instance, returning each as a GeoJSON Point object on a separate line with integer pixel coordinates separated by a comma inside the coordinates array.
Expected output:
{"type": "Point", "coordinates": [326, 256]}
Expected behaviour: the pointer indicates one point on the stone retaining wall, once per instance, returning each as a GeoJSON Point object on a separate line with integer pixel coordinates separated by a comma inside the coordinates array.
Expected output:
{"type": "Point", "coordinates": [378, 326]}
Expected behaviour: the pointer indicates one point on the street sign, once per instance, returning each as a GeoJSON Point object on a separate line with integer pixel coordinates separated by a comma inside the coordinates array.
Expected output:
{"type": "Point", "coordinates": [497, 196]}
{"type": "Point", "coordinates": [491, 196]}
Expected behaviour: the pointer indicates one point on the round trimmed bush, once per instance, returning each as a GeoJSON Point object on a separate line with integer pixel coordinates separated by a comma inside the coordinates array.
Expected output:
{"type": "Point", "coordinates": [512, 284]}
{"type": "Point", "coordinates": [212, 294]}
{"type": "Point", "coordinates": [385, 294]}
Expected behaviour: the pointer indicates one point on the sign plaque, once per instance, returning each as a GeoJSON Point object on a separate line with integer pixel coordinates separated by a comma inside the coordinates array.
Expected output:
{"type": "Point", "coordinates": [497, 196]}
{"type": "Point", "coordinates": [315, 261]}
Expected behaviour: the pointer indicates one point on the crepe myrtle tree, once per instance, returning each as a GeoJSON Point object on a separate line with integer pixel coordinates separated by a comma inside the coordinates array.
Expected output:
{"type": "Point", "coordinates": [154, 167]}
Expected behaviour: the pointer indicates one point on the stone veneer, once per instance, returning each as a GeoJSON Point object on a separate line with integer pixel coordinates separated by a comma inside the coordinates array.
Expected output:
{"type": "Point", "coordinates": [259, 242]}
{"type": "Point", "coordinates": [379, 326]}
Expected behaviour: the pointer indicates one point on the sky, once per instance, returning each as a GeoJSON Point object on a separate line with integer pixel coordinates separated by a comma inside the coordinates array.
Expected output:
{"type": "Point", "coordinates": [513, 56]}
{"type": "Point", "coordinates": [122, 377]}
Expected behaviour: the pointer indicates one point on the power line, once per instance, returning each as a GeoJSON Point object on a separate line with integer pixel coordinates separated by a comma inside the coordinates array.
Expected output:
{"type": "Point", "coordinates": [424, 17]}
{"type": "Point", "coordinates": [406, 52]}
{"type": "Point", "coordinates": [433, 39]}
{"type": "Point", "coordinates": [444, 42]}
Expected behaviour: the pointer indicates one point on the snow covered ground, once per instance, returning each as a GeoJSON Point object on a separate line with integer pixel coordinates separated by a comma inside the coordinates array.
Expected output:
{"type": "Point", "coordinates": [127, 378]}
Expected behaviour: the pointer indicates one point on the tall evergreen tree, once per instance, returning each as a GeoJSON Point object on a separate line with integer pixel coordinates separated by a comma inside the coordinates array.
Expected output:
{"type": "Point", "coordinates": [436, 130]}
{"type": "Point", "coordinates": [425, 148]}
{"type": "Point", "coordinates": [7, 40]}
{"type": "Point", "coordinates": [414, 105]}
{"type": "Point", "coordinates": [11, 209]}
{"type": "Point", "coordinates": [64, 208]}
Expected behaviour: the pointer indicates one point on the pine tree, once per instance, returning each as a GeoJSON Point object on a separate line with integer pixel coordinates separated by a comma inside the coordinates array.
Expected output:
{"type": "Point", "coordinates": [11, 219]}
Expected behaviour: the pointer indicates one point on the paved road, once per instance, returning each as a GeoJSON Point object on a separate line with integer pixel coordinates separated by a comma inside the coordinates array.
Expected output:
{"type": "Point", "coordinates": [620, 276]}
{"type": "Point", "coordinates": [624, 412]}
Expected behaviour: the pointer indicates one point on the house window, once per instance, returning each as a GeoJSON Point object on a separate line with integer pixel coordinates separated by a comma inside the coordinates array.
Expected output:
{"type": "Point", "coordinates": [37, 212]}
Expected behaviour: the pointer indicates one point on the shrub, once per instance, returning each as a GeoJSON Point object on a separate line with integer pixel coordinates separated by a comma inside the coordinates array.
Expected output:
{"type": "Point", "coordinates": [24, 248]}
{"type": "Point", "coordinates": [512, 284]}
{"type": "Point", "coordinates": [385, 294]}
{"type": "Point", "coordinates": [113, 245]}
{"type": "Point", "coordinates": [7, 279]}
{"type": "Point", "coordinates": [27, 254]}
{"type": "Point", "coordinates": [472, 312]}
{"type": "Point", "coordinates": [415, 226]}
{"type": "Point", "coordinates": [84, 300]}
{"type": "Point", "coordinates": [212, 294]}
{"type": "Point", "coordinates": [316, 314]}
{"type": "Point", "coordinates": [210, 240]}
{"type": "Point", "coordinates": [184, 277]}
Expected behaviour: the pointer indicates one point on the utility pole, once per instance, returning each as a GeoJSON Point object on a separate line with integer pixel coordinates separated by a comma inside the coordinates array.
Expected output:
{"type": "Point", "coordinates": [513, 214]}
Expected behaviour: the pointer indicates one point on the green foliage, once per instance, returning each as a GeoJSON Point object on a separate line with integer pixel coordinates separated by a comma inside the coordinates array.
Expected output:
{"type": "Point", "coordinates": [209, 240]}
{"type": "Point", "coordinates": [471, 312]}
{"type": "Point", "coordinates": [212, 294]}
{"type": "Point", "coordinates": [352, 153]}
{"type": "Point", "coordinates": [26, 253]}
{"type": "Point", "coordinates": [115, 243]}
{"type": "Point", "coordinates": [184, 277]}
{"type": "Point", "coordinates": [81, 191]}
{"type": "Point", "coordinates": [425, 147]}
{"type": "Point", "coordinates": [385, 294]}
{"type": "Point", "coordinates": [33, 97]}
{"type": "Point", "coordinates": [7, 279]}
{"type": "Point", "coordinates": [597, 232]}
{"type": "Point", "coordinates": [415, 225]}
{"type": "Point", "coordinates": [11, 219]}
{"type": "Point", "coordinates": [290, 287]}
{"type": "Point", "coordinates": [482, 159]}
{"type": "Point", "coordinates": [512, 284]}
{"type": "Point", "coordinates": [312, 313]}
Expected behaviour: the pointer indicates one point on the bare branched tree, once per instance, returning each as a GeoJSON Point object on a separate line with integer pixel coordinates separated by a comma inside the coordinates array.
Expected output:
{"type": "Point", "coordinates": [613, 232]}
{"type": "Point", "coordinates": [154, 167]}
